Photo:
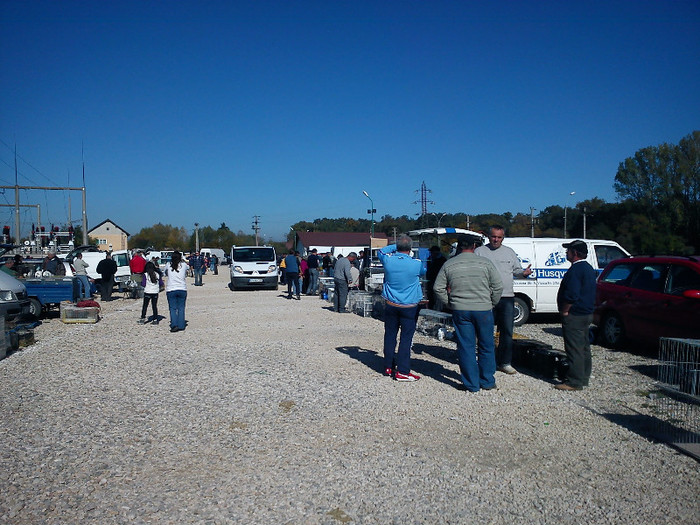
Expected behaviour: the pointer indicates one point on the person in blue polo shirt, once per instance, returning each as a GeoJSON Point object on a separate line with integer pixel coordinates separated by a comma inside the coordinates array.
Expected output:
{"type": "Point", "coordinates": [402, 292]}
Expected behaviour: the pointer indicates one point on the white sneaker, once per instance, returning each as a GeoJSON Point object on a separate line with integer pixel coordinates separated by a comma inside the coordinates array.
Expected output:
{"type": "Point", "coordinates": [508, 369]}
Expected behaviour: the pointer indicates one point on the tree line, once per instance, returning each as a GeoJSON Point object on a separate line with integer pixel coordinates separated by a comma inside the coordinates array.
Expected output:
{"type": "Point", "coordinates": [658, 212]}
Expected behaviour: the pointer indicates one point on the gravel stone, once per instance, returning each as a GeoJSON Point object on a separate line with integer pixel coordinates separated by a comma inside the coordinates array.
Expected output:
{"type": "Point", "coordinates": [272, 411]}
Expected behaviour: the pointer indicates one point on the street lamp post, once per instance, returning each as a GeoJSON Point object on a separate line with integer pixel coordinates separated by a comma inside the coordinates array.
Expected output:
{"type": "Point", "coordinates": [371, 236]}
{"type": "Point", "coordinates": [196, 237]}
{"type": "Point", "coordinates": [565, 205]}
{"type": "Point", "coordinates": [439, 217]}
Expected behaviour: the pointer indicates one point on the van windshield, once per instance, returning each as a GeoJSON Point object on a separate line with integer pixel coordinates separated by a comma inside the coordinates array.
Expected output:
{"type": "Point", "coordinates": [121, 259]}
{"type": "Point", "coordinates": [253, 254]}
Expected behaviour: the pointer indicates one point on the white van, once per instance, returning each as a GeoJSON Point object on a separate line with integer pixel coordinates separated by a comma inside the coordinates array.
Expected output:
{"type": "Point", "coordinates": [93, 256]}
{"type": "Point", "coordinates": [547, 258]}
{"type": "Point", "coordinates": [215, 251]}
{"type": "Point", "coordinates": [253, 267]}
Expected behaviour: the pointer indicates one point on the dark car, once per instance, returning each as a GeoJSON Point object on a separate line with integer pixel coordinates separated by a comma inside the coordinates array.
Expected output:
{"type": "Point", "coordinates": [643, 298]}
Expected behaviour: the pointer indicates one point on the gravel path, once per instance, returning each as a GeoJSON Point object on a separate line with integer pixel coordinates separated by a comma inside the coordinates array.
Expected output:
{"type": "Point", "coordinates": [273, 411]}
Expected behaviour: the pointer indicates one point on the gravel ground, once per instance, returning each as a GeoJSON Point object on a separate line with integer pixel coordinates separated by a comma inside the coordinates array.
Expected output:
{"type": "Point", "coordinates": [273, 411]}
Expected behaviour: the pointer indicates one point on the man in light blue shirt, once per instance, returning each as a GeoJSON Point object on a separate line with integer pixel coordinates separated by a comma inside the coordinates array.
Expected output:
{"type": "Point", "coordinates": [402, 292]}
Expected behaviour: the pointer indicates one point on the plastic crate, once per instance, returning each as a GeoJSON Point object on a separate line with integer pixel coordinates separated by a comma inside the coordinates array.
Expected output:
{"type": "Point", "coordinates": [74, 314]}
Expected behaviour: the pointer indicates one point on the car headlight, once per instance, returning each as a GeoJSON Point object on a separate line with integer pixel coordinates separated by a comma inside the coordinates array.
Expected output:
{"type": "Point", "coordinates": [272, 268]}
{"type": "Point", "coordinates": [238, 269]}
{"type": "Point", "coordinates": [7, 295]}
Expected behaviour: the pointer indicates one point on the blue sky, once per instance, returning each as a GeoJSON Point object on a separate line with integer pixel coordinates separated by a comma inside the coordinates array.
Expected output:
{"type": "Point", "coordinates": [214, 112]}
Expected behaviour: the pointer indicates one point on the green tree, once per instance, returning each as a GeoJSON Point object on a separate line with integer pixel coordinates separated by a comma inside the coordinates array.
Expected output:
{"type": "Point", "coordinates": [662, 183]}
{"type": "Point", "coordinates": [161, 237]}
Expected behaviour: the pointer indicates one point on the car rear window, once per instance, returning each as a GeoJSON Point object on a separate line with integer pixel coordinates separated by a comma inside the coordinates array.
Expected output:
{"type": "Point", "coordinates": [682, 278]}
{"type": "Point", "coordinates": [649, 278]}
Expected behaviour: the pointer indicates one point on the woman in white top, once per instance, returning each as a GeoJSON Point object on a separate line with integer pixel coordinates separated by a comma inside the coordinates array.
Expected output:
{"type": "Point", "coordinates": [176, 291]}
{"type": "Point", "coordinates": [150, 281]}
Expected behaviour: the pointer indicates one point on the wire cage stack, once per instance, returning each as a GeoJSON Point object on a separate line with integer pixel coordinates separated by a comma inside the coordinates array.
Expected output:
{"type": "Point", "coordinates": [360, 302]}
{"type": "Point", "coordinates": [678, 407]}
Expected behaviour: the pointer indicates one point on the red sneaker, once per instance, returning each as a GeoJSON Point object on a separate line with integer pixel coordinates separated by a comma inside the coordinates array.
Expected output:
{"type": "Point", "coordinates": [389, 372]}
{"type": "Point", "coordinates": [406, 377]}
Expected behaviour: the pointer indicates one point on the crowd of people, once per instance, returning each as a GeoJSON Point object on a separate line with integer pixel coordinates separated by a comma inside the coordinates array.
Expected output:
{"type": "Point", "coordinates": [476, 285]}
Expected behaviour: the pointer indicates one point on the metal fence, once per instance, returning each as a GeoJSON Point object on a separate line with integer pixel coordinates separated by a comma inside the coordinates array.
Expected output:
{"type": "Point", "coordinates": [678, 403]}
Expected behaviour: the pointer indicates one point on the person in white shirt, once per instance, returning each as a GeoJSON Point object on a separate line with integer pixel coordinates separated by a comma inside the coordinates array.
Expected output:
{"type": "Point", "coordinates": [176, 291]}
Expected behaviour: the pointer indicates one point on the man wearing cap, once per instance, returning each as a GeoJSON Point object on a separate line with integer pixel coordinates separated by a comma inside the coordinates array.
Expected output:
{"type": "Point", "coordinates": [475, 287]}
{"type": "Point", "coordinates": [343, 279]}
{"type": "Point", "coordinates": [576, 301]}
{"type": "Point", "coordinates": [508, 266]}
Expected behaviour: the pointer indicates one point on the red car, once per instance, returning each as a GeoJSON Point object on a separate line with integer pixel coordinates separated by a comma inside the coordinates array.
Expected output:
{"type": "Point", "coordinates": [644, 298]}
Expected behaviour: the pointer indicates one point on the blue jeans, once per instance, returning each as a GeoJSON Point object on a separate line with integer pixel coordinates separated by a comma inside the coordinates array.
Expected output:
{"type": "Point", "coordinates": [472, 327]}
{"type": "Point", "coordinates": [406, 319]}
{"type": "Point", "coordinates": [313, 281]}
{"type": "Point", "coordinates": [293, 282]}
{"type": "Point", "coordinates": [176, 304]}
{"type": "Point", "coordinates": [85, 290]}
{"type": "Point", "coordinates": [503, 317]}
{"type": "Point", "coordinates": [197, 277]}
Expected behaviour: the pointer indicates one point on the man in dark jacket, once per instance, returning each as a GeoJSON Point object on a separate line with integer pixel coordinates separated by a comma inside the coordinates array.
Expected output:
{"type": "Point", "coordinates": [107, 267]}
{"type": "Point", "coordinates": [576, 301]}
{"type": "Point", "coordinates": [53, 265]}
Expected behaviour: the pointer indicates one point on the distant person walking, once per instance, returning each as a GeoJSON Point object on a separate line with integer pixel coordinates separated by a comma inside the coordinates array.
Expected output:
{"type": "Point", "coordinates": [471, 286]}
{"type": "Point", "coordinates": [107, 268]}
{"type": "Point", "coordinates": [576, 300]}
{"type": "Point", "coordinates": [151, 282]}
{"type": "Point", "coordinates": [402, 293]}
{"type": "Point", "coordinates": [176, 291]}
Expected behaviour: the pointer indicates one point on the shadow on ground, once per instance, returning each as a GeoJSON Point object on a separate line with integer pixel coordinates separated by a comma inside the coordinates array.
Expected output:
{"type": "Point", "coordinates": [375, 361]}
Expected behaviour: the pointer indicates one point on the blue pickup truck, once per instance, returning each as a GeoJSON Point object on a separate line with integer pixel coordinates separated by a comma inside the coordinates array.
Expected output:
{"type": "Point", "coordinates": [48, 292]}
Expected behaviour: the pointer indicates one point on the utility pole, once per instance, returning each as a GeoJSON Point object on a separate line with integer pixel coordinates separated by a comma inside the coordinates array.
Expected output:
{"type": "Point", "coordinates": [584, 222]}
{"type": "Point", "coordinates": [46, 188]}
{"type": "Point", "coordinates": [467, 222]}
{"type": "Point", "coordinates": [532, 222]}
{"type": "Point", "coordinates": [423, 202]}
{"type": "Point", "coordinates": [196, 237]}
{"type": "Point", "coordinates": [256, 227]}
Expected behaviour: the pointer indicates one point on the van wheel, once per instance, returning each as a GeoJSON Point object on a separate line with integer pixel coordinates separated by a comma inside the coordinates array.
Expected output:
{"type": "Point", "coordinates": [34, 308]}
{"type": "Point", "coordinates": [521, 311]}
{"type": "Point", "coordinates": [612, 331]}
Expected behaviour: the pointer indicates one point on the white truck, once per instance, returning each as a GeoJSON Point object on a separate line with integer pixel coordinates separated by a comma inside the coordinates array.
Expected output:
{"type": "Point", "coordinates": [93, 256]}
{"type": "Point", "coordinates": [547, 258]}
{"type": "Point", "coordinates": [220, 254]}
